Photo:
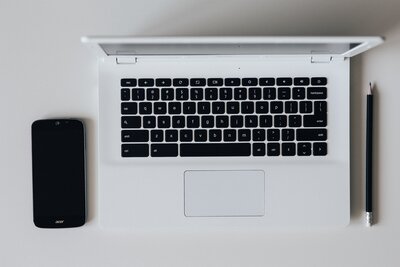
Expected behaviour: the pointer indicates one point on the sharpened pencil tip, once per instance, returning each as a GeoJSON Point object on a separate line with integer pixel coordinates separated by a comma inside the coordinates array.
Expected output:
{"type": "Point", "coordinates": [370, 89]}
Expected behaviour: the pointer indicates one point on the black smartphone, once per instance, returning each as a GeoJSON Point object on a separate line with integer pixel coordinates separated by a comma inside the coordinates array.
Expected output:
{"type": "Point", "coordinates": [59, 175]}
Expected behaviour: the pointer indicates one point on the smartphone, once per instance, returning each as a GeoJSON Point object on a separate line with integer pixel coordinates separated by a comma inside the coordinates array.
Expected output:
{"type": "Point", "coordinates": [59, 175]}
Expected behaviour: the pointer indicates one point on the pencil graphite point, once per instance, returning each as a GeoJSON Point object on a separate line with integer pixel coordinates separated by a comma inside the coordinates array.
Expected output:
{"type": "Point", "coordinates": [370, 89]}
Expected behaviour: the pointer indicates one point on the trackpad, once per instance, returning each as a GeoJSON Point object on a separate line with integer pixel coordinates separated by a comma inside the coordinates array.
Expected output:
{"type": "Point", "coordinates": [224, 193]}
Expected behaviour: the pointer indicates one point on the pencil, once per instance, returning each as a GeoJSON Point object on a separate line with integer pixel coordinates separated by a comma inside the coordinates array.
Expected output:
{"type": "Point", "coordinates": [368, 174]}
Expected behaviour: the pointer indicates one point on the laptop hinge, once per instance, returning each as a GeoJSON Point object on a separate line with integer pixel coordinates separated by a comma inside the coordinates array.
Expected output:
{"type": "Point", "coordinates": [126, 60]}
{"type": "Point", "coordinates": [321, 59]}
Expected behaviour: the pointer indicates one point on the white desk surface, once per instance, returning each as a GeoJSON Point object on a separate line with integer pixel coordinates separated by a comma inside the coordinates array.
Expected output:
{"type": "Point", "coordinates": [46, 72]}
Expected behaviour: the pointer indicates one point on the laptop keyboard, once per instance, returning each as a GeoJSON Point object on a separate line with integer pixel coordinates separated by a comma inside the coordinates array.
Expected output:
{"type": "Point", "coordinates": [216, 117]}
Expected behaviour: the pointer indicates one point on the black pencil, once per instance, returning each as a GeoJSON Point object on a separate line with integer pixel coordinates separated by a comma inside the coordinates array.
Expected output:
{"type": "Point", "coordinates": [368, 173]}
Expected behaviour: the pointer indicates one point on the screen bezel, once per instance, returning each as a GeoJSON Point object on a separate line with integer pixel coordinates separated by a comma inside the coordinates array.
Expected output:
{"type": "Point", "coordinates": [58, 125]}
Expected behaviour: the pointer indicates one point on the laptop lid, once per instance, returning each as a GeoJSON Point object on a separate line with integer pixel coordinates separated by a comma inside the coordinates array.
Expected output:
{"type": "Point", "coordinates": [252, 45]}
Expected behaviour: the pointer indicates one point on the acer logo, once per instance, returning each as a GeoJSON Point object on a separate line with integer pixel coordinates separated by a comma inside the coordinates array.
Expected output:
{"type": "Point", "coordinates": [59, 221]}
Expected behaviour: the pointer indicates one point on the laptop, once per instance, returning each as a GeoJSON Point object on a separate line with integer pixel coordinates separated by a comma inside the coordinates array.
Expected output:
{"type": "Point", "coordinates": [224, 132]}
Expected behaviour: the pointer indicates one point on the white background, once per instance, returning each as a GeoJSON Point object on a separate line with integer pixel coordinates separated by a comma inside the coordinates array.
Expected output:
{"type": "Point", "coordinates": [46, 72]}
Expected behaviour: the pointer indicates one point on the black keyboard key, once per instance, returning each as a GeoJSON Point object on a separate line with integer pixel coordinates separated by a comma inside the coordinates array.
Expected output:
{"type": "Point", "coordinates": [211, 93]}
{"type": "Point", "coordinates": [128, 82]}
{"type": "Point", "coordinates": [146, 82]}
{"type": "Point", "coordinates": [273, 149]}
{"type": "Point", "coordinates": [288, 149]}
{"type": "Point", "coordinates": [287, 134]}
{"type": "Point", "coordinates": [276, 107]}
{"type": "Point", "coordinates": [320, 149]}
{"type": "Point", "coordinates": [207, 121]}
{"type": "Point", "coordinates": [247, 107]}
{"type": "Point", "coordinates": [225, 93]}
{"type": "Point", "coordinates": [320, 107]}
{"type": "Point", "coordinates": [182, 94]}
{"type": "Point", "coordinates": [302, 81]}
{"type": "Point", "coordinates": [178, 122]}
{"type": "Point", "coordinates": [280, 121]}
{"type": "Point", "coordinates": [186, 135]}
{"type": "Point", "coordinates": [249, 82]}
{"type": "Point", "coordinates": [131, 122]}
{"type": "Point", "coordinates": [269, 93]}
{"type": "Point", "coordinates": [215, 136]}
{"type": "Point", "coordinates": [181, 82]}
{"type": "Point", "coordinates": [315, 120]}
{"type": "Point", "coordinates": [135, 150]}
{"type": "Point", "coordinates": [134, 136]}
{"type": "Point", "coordinates": [164, 150]}
{"type": "Point", "coordinates": [311, 134]}
{"type": "Point", "coordinates": [157, 135]}
{"type": "Point", "coordinates": [189, 108]}
{"type": "Point", "coordinates": [240, 93]}
{"type": "Point", "coordinates": [284, 93]}
{"type": "Point", "coordinates": [229, 135]}
{"type": "Point", "coordinates": [196, 94]}
{"type": "Point", "coordinates": [163, 121]}
{"type": "Point", "coordinates": [284, 81]}
{"type": "Point", "coordinates": [203, 108]}
{"type": "Point", "coordinates": [232, 82]}
{"type": "Point", "coordinates": [171, 135]}
{"type": "Point", "coordinates": [319, 81]}
{"type": "Point", "coordinates": [291, 107]}
{"type": "Point", "coordinates": [197, 82]}
{"type": "Point", "coordinates": [137, 94]}
{"type": "Point", "coordinates": [167, 94]}
{"type": "Point", "coordinates": [299, 93]}
{"type": "Point", "coordinates": [215, 150]}
{"type": "Point", "coordinates": [244, 135]}
{"type": "Point", "coordinates": [128, 108]}
{"type": "Point", "coordinates": [160, 108]}
{"type": "Point", "coordinates": [149, 122]}
{"type": "Point", "coordinates": [305, 106]}
{"type": "Point", "coordinates": [164, 82]}
{"type": "Point", "coordinates": [193, 122]}
{"type": "Point", "coordinates": [267, 81]}
{"type": "Point", "coordinates": [258, 135]}
{"type": "Point", "coordinates": [258, 149]}
{"type": "Point", "coordinates": [295, 121]}
{"type": "Point", "coordinates": [232, 107]}
{"type": "Point", "coordinates": [273, 135]}
{"type": "Point", "coordinates": [125, 94]}
{"type": "Point", "coordinates": [215, 82]}
{"type": "Point", "coordinates": [261, 107]}
{"type": "Point", "coordinates": [145, 108]}
{"type": "Point", "coordinates": [222, 121]}
{"type": "Point", "coordinates": [265, 121]}
{"type": "Point", "coordinates": [254, 93]}
{"type": "Point", "coordinates": [174, 107]}
{"type": "Point", "coordinates": [200, 135]}
{"type": "Point", "coordinates": [316, 93]}
{"type": "Point", "coordinates": [303, 149]}
{"type": "Point", "coordinates": [153, 94]}
{"type": "Point", "coordinates": [251, 121]}
{"type": "Point", "coordinates": [218, 108]}
{"type": "Point", "coordinates": [237, 121]}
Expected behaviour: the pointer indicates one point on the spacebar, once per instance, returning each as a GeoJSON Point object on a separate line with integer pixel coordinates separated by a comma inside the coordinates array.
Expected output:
{"type": "Point", "coordinates": [215, 150]}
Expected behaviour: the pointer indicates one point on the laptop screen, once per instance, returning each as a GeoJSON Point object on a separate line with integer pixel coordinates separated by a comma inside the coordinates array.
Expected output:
{"type": "Point", "coordinates": [231, 45]}
{"type": "Point", "coordinates": [227, 49]}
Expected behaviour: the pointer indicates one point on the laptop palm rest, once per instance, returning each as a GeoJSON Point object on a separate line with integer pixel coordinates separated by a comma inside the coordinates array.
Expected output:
{"type": "Point", "coordinates": [224, 193]}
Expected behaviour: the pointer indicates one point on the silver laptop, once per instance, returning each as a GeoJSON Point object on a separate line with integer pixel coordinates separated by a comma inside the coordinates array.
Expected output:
{"type": "Point", "coordinates": [224, 132]}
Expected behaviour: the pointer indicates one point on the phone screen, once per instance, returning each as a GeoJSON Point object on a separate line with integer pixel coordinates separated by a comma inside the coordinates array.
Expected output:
{"type": "Point", "coordinates": [58, 157]}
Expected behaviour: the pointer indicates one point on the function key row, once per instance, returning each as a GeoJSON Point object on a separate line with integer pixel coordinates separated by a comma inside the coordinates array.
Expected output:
{"type": "Point", "coordinates": [183, 82]}
{"type": "Point", "coordinates": [224, 93]}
